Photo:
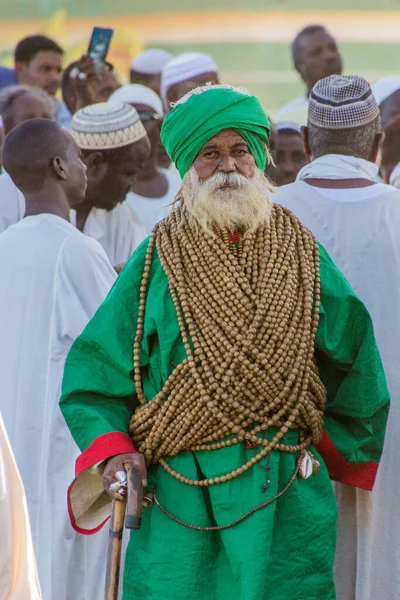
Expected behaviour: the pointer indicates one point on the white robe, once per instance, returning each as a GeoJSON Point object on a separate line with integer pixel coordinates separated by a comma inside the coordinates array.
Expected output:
{"type": "Point", "coordinates": [18, 574]}
{"type": "Point", "coordinates": [53, 278]}
{"type": "Point", "coordinates": [119, 231]}
{"type": "Point", "coordinates": [360, 228]}
{"type": "Point", "coordinates": [152, 210]}
{"type": "Point", "coordinates": [12, 202]}
{"type": "Point", "coordinates": [295, 111]}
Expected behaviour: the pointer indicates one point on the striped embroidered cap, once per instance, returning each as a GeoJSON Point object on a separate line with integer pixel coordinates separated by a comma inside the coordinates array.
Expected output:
{"type": "Point", "coordinates": [342, 102]}
{"type": "Point", "coordinates": [106, 126]}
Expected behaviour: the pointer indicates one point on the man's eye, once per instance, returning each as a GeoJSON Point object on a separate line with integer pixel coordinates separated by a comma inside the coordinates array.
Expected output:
{"type": "Point", "coordinates": [240, 151]}
{"type": "Point", "coordinates": [212, 154]}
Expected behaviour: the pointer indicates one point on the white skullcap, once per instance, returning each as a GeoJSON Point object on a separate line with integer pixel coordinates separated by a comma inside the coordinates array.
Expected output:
{"type": "Point", "coordinates": [106, 126]}
{"type": "Point", "coordinates": [288, 126]}
{"type": "Point", "coordinates": [383, 88]}
{"type": "Point", "coordinates": [151, 61]}
{"type": "Point", "coordinates": [342, 102]}
{"type": "Point", "coordinates": [184, 67]}
{"type": "Point", "coordinates": [138, 94]}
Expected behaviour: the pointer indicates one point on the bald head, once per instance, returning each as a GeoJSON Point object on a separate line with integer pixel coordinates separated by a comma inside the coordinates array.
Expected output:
{"type": "Point", "coordinates": [30, 149]}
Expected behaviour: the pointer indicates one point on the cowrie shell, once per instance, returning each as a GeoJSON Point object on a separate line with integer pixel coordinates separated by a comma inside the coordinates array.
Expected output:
{"type": "Point", "coordinates": [306, 466]}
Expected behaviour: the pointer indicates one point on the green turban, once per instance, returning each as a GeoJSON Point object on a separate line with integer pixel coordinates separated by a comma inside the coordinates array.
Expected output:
{"type": "Point", "coordinates": [190, 125]}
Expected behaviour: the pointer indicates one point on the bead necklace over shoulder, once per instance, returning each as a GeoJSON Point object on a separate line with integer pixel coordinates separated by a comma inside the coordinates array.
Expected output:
{"type": "Point", "coordinates": [248, 315]}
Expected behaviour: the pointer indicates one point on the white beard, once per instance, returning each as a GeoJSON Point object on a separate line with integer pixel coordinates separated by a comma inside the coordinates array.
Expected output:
{"type": "Point", "coordinates": [245, 205]}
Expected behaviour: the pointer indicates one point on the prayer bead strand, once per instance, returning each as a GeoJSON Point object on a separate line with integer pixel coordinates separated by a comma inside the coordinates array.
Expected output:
{"type": "Point", "coordinates": [248, 314]}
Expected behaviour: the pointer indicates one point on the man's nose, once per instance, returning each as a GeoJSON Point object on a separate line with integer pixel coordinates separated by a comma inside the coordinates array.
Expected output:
{"type": "Point", "coordinates": [329, 54]}
{"type": "Point", "coordinates": [227, 163]}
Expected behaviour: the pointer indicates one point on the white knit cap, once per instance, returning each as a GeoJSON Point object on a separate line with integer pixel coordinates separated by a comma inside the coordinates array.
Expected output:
{"type": "Point", "coordinates": [106, 126]}
{"type": "Point", "coordinates": [138, 94]}
{"type": "Point", "coordinates": [183, 68]}
{"type": "Point", "coordinates": [342, 102]}
{"type": "Point", "coordinates": [151, 61]}
{"type": "Point", "coordinates": [383, 88]}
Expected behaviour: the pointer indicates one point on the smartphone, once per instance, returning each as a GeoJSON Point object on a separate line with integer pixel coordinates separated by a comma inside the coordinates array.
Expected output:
{"type": "Point", "coordinates": [98, 47]}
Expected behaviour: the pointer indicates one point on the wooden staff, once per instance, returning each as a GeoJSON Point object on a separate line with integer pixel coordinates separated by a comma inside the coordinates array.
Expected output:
{"type": "Point", "coordinates": [133, 520]}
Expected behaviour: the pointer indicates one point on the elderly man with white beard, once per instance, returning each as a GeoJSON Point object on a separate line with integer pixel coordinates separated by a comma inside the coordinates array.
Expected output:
{"type": "Point", "coordinates": [235, 369]}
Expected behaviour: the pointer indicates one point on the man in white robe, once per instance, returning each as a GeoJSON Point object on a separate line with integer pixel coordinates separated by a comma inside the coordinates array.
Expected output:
{"type": "Point", "coordinates": [315, 55]}
{"type": "Point", "coordinates": [114, 148]}
{"type": "Point", "coordinates": [18, 573]}
{"type": "Point", "coordinates": [154, 189]}
{"type": "Point", "coordinates": [53, 278]}
{"type": "Point", "coordinates": [111, 170]}
{"type": "Point", "coordinates": [358, 221]}
{"type": "Point", "coordinates": [19, 103]}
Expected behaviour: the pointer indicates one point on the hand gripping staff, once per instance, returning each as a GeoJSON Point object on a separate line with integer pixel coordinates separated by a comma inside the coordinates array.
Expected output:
{"type": "Point", "coordinates": [131, 510]}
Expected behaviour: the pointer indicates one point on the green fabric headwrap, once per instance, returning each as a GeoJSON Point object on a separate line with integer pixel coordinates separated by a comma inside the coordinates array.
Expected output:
{"type": "Point", "coordinates": [193, 123]}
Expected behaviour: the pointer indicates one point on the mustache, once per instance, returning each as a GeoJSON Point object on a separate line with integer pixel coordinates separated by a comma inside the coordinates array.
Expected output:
{"type": "Point", "coordinates": [221, 180]}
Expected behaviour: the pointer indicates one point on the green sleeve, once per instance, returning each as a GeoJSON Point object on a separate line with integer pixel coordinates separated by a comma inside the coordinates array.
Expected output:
{"type": "Point", "coordinates": [352, 372]}
{"type": "Point", "coordinates": [98, 391]}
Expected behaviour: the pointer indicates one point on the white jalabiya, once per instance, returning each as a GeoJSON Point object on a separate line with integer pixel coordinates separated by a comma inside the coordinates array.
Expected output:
{"type": "Point", "coordinates": [360, 230]}
{"type": "Point", "coordinates": [339, 166]}
{"type": "Point", "coordinates": [12, 202]}
{"type": "Point", "coordinates": [119, 231]}
{"type": "Point", "coordinates": [152, 210]}
{"type": "Point", "coordinates": [53, 279]}
{"type": "Point", "coordinates": [18, 574]}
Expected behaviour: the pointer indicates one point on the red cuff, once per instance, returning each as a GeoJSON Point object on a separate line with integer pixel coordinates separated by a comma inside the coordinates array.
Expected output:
{"type": "Point", "coordinates": [361, 475]}
{"type": "Point", "coordinates": [103, 447]}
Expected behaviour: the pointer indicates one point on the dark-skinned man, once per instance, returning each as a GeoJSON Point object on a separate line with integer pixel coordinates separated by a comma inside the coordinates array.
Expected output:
{"type": "Point", "coordinates": [289, 155]}
{"type": "Point", "coordinates": [147, 66]}
{"type": "Point", "coordinates": [53, 280]}
{"type": "Point", "coordinates": [82, 85]}
{"type": "Point", "coordinates": [19, 103]}
{"type": "Point", "coordinates": [357, 219]}
{"type": "Point", "coordinates": [114, 148]}
{"type": "Point", "coordinates": [39, 62]}
{"type": "Point", "coordinates": [184, 73]}
{"type": "Point", "coordinates": [154, 188]}
{"type": "Point", "coordinates": [315, 55]}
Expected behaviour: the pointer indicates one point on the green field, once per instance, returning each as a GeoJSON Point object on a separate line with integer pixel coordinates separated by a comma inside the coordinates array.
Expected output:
{"type": "Point", "coordinates": [266, 68]}
{"type": "Point", "coordinates": [14, 9]}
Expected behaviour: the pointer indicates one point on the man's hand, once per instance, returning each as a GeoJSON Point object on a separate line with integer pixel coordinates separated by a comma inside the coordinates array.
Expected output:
{"type": "Point", "coordinates": [85, 81]}
{"type": "Point", "coordinates": [120, 463]}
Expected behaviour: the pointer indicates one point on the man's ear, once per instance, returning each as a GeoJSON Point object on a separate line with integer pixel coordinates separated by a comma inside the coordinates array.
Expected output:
{"type": "Point", "coordinates": [306, 143]}
{"type": "Point", "coordinates": [20, 69]}
{"type": "Point", "coordinates": [58, 167]}
{"type": "Point", "coordinates": [95, 163]}
{"type": "Point", "coordinates": [376, 147]}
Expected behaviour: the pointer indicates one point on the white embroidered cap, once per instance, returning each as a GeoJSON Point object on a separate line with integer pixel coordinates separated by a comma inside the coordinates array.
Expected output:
{"type": "Point", "coordinates": [106, 126]}
{"type": "Point", "coordinates": [342, 102]}
{"type": "Point", "coordinates": [138, 94]}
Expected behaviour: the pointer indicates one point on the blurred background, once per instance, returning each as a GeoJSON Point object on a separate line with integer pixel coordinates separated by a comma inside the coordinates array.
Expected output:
{"type": "Point", "coordinates": [249, 39]}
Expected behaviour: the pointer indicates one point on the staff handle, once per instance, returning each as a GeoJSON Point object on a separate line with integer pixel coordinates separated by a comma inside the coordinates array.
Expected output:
{"type": "Point", "coordinates": [133, 516]}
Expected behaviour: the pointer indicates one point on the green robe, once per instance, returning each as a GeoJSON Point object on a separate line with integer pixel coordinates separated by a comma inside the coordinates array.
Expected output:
{"type": "Point", "coordinates": [282, 552]}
